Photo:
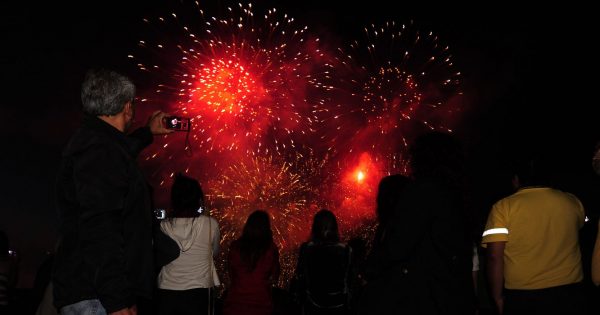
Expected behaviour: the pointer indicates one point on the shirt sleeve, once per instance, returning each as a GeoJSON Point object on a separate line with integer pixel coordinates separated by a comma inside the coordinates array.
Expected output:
{"type": "Point", "coordinates": [496, 228]}
{"type": "Point", "coordinates": [580, 211]}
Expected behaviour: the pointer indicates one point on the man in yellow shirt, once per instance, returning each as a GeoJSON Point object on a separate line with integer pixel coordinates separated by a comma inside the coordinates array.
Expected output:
{"type": "Point", "coordinates": [533, 248]}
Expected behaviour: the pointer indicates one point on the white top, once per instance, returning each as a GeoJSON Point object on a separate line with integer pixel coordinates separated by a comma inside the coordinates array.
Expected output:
{"type": "Point", "coordinates": [198, 238]}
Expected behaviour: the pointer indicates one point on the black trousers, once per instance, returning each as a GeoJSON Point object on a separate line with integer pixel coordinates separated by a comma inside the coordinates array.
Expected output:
{"type": "Point", "coordinates": [565, 299]}
{"type": "Point", "coordinates": [175, 302]}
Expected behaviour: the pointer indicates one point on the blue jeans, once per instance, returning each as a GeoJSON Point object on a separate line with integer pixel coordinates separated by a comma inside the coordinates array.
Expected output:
{"type": "Point", "coordinates": [85, 307]}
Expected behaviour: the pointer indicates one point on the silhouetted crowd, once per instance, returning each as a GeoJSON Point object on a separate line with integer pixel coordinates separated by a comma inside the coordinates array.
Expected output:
{"type": "Point", "coordinates": [114, 257]}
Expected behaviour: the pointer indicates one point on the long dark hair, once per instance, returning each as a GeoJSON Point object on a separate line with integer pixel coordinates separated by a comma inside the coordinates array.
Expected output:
{"type": "Point", "coordinates": [388, 194]}
{"type": "Point", "coordinates": [325, 227]}
{"type": "Point", "coordinates": [256, 238]}
{"type": "Point", "coordinates": [186, 197]}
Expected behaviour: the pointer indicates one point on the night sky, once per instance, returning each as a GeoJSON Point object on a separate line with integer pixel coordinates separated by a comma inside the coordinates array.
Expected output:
{"type": "Point", "coordinates": [529, 76]}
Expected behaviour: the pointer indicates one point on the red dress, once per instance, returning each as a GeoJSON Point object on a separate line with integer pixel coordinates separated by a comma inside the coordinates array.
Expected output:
{"type": "Point", "coordinates": [250, 291]}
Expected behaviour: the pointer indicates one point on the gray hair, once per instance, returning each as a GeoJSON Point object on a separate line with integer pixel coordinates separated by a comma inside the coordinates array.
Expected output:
{"type": "Point", "coordinates": [105, 92]}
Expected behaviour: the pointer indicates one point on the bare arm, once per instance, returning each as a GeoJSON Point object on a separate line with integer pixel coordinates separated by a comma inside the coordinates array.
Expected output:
{"type": "Point", "coordinates": [495, 272]}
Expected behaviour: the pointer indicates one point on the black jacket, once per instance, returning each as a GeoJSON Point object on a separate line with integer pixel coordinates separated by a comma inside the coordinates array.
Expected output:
{"type": "Point", "coordinates": [105, 245]}
{"type": "Point", "coordinates": [424, 263]}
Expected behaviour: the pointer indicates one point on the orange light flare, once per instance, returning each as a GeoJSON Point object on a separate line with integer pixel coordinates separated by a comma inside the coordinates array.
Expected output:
{"type": "Point", "coordinates": [360, 176]}
{"type": "Point", "coordinates": [356, 193]}
{"type": "Point", "coordinates": [366, 173]}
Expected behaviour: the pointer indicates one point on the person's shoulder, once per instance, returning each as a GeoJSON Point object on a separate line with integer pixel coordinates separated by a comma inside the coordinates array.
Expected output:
{"type": "Point", "coordinates": [567, 195]}
{"type": "Point", "coordinates": [206, 219]}
{"type": "Point", "coordinates": [302, 248]}
{"type": "Point", "coordinates": [273, 249]}
{"type": "Point", "coordinates": [307, 244]}
{"type": "Point", "coordinates": [337, 244]}
{"type": "Point", "coordinates": [274, 246]}
{"type": "Point", "coordinates": [212, 220]}
{"type": "Point", "coordinates": [505, 202]}
{"type": "Point", "coordinates": [163, 223]}
{"type": "Point", "coordinates": [571, 198]}
{"type": "Point", "coordinates": [87, 141]}
{"type": "Point", "coordinates": [84, 139]}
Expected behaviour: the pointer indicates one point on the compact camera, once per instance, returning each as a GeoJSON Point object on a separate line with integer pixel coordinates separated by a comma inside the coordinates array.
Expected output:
{"type": "Point", "coordinates": [177, 123]}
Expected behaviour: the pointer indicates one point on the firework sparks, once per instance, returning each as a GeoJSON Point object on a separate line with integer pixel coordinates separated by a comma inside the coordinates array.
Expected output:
{"type": "Point", "coordinates": [242, 78]}
{"type": "Point", "coordinates": [406, 84]}
{"type": "Point", "coordinates": [285, 190]}
{"type": "Point", "coordinates": [279, 125]}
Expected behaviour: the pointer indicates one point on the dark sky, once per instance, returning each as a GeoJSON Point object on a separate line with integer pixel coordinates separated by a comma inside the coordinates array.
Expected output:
{"type": "Point", "coordinates": [529, 74]}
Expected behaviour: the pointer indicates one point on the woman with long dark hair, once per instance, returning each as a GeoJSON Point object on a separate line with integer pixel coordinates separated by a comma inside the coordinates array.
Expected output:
{"type": "Point", "coordinates": [324, 272]}
{"type": "Point", "coordinates": [184, 284]}
{"type": "Point", "coordinates": [253, 268]}
{"type": "Point", "coordinates": [388, 194]}
{"type": "Point", "coordinates": [371, 275]}
{"type": "Point", "coordinates": [426, 266]}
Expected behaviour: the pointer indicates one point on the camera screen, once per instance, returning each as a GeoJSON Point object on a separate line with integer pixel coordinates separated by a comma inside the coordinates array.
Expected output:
{"type": "Point", "coordinates": [177, 123]}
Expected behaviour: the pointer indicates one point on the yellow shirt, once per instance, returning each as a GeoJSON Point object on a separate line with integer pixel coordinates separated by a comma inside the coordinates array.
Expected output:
{"type": "Point", "coordinates": [540, 227]}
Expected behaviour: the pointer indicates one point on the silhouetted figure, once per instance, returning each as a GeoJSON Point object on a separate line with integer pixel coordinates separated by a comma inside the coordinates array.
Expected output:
{"type": "Point", "coordinates": [324, 272]}
{"type": "Point", "coordinates": [43, 287]}
{"type": "Point", "coordinates": [8, 273]}
{"type": "Point", "coordinates": [596, 253]}
{"type": "Point", "coordinates": [104, 257]}
{"type": "Point", "coordinates": [534, 260]}
{"type": "Point", "coordinates": [388, 195]}
{"type": "Point", "coordinates": [426, 261]}
{"type": "Point", "coordinates": [253, 268]}
{"type": "Point", "coordinates": [184, 284]}
{"type": "Point", "coordinates": [358, 264]}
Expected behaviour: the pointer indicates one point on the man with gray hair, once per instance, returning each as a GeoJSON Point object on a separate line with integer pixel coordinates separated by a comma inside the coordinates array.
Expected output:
{"type": "Point", "coordinates": [104, 259]}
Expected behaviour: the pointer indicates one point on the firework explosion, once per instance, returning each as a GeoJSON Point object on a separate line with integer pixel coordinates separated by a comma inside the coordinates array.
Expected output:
{"type": "Point", "coordinates": [243, 80]}
{"type": "Point", "coordinates": [285, 190]}
{"type": "Point", "coordinates": [404, 84]}
{"type": "Point", "coordinates": [280, 125]}
{"type": "Point", "coordinates": [392, 84]}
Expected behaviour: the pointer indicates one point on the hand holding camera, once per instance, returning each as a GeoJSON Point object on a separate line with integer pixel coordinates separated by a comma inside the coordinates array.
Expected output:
{"type": "Point", "coordinates": [161, 124]}
{"type": "Point", "coordinates": [177, 123]}
{"type": "Point", "coordinates": [156, 123]}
